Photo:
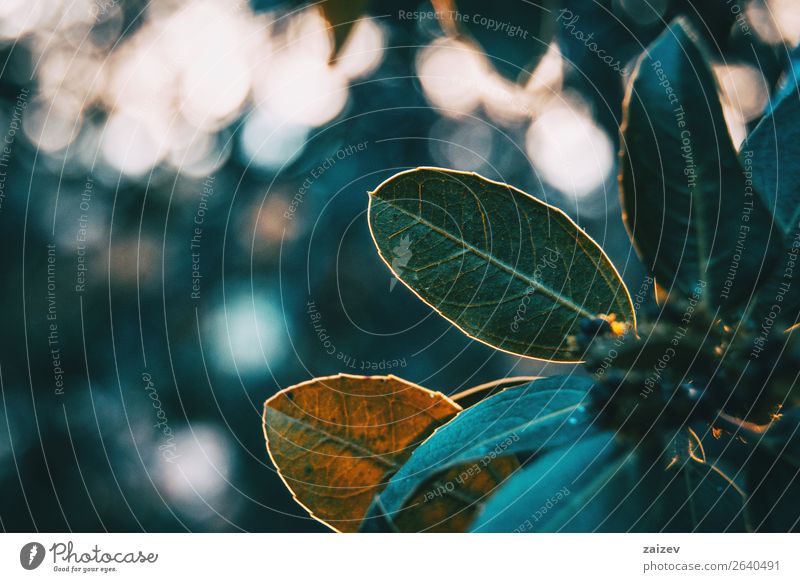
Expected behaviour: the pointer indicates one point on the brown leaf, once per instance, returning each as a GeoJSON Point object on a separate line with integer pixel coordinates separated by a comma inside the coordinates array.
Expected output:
{"type": "Point", "coordinates": [336, 440]}
{"type": "Point", "coordinates": [445, 13]}
{"type": "Point", "coordinates": [341, 16]}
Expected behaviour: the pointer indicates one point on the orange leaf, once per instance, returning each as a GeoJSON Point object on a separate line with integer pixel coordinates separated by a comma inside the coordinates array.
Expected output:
{"type": "Point", "coordinates": [336, 440]}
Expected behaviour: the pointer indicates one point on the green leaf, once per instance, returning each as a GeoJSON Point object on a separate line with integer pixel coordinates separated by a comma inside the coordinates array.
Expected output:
{"type": "Point", "coordinates": [581, 25]}
{"type": "Point", "coordinates": [773, 151]}
{"type": "Point", "coordinates": [596, 485]}
{"type": "Point", "coordinates": [506, 268]}
{"type": "Point", "coordinates": [523, 419]}
{"type": "Point", "coordinates": [687, 203]}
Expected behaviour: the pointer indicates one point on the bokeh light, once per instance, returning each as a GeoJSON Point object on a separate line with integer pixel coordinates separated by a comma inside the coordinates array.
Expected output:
{"type": "Point", "coordinates": [570, 150]}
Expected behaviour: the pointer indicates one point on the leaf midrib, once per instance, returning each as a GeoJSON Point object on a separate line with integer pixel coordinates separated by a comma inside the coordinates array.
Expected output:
{"type": "Point", "coordinates": [502, 265]}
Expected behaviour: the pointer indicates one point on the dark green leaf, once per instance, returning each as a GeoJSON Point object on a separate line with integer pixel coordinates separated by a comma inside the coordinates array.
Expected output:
{"type": "Point", "coordinates": [507, 269]}
{"type": "Point", "coordinates": [773, 152]}
{"type": "Point", "coordinates": [687, 203]}
{"type": "Point", "coordinates": [596, 41]}
{"type": "Point", "coordinates": [527, 418]}
{"type": "Point", "coordinates": [596, 485]}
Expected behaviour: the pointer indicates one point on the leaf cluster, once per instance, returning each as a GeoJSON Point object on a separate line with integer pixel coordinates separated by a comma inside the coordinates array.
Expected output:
{"type": "Point", "coordinates": [683, 420]}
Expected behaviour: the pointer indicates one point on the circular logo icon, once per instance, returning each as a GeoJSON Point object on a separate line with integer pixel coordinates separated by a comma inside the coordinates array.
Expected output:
{"type": "Point", "coordinates": [31, 555]}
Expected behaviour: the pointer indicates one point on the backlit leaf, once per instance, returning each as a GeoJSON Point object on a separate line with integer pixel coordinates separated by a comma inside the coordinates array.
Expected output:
{"type": "Point", "coordinates": [522, 419]}
{"type": "Point", "coordinates": [335, 439]}
{"type": "Point", "coordinates": [687, 203]}
{"type": "Point", "coordinates": [506, 268]}
{"type": "Point", "coordinates": [773, 152]}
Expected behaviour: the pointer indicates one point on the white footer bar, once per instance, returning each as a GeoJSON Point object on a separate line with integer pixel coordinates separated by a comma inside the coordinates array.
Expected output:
{"type": "Point", "coordinates": [356, 558]}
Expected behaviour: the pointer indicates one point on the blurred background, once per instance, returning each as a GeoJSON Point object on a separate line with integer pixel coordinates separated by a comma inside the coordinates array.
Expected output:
{"type": "Point", "coordinates": [182, 216]}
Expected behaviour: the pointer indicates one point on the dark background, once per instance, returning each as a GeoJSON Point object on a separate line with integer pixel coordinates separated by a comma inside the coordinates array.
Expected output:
{"type": "Point", "coordinates": [124, 122]}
